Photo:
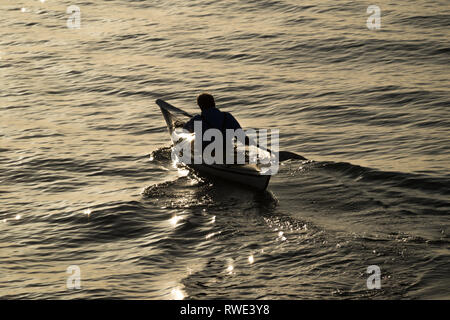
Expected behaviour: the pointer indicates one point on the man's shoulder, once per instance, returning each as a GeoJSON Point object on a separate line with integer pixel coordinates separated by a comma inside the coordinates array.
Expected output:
{"type": "Point", "coordinates": [231, 121]}
{"type": "Point", "coordinates": [229, 115]}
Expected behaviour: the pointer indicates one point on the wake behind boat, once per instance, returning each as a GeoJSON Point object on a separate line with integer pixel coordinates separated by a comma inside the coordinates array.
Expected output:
{"type": "Point", "coordinates": [252, 175]}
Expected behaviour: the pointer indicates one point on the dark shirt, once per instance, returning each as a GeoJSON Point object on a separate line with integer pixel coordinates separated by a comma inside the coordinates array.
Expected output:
{"type": "Point", "coordinates": [213, 118]}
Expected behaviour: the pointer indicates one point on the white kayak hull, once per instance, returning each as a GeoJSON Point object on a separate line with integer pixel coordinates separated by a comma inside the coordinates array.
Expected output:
{"type": "Point", "coordinates": [235, 173]}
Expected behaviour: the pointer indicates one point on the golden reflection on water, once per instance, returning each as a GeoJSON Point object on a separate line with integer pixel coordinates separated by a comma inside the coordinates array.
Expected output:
{"type": "Point", "coordinates": [174, 220]}
{"type": "Point", "coordinates": [76, 136]}
{"type": "Point", "coordinates": [209, 235]}
{"type": "Point", "coordinates": [230, 269]}
{"type": "Point", "coordinates": [177, 294]}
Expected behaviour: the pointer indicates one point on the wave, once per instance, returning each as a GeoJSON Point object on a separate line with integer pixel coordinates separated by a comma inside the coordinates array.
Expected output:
{"type": "Point", "coordinates": [422, 182]}
{"type": "Point", "coordinates": [393, 179]}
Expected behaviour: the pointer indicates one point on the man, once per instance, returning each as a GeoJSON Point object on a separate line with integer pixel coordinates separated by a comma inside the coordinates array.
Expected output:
{"type": "Point", "coordinates": [211, 117]}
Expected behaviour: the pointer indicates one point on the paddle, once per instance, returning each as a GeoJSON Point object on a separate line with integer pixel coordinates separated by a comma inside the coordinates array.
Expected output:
{"type": "Point", "coordinates": [282, 155]}
{"type": "Point", "coordinates": [170, 107]}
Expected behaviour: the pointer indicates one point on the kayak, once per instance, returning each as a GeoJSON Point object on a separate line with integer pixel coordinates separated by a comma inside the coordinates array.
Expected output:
{"type": "Point", "coordinates": [248, 174]}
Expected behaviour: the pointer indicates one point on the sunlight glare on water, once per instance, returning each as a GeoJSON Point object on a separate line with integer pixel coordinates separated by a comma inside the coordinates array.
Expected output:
{"type": "Point", "coordinates": [87, 176]}
{"type": "Point", "coordinates": [177, 294]}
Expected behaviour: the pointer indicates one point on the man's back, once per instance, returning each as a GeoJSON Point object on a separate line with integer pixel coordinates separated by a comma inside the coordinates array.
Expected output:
{"type": "Point", "coordinates": [213, 118]}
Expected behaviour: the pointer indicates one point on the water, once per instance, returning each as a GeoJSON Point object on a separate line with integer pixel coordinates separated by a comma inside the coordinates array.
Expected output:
{"type": "Point", "coordinates": [79, 128]}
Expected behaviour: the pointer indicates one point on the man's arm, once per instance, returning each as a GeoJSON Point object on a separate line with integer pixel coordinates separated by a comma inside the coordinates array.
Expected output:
{"type": "Point", "coordinates": [189, 126]}
{"type": "Point", "coordinates": [232, 122]}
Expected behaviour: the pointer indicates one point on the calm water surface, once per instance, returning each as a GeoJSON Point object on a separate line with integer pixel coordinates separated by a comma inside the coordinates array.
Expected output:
{"type": "Point", "coordinates": [86, 177]}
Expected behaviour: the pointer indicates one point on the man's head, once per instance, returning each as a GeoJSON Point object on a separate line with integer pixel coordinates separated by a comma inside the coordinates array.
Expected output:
{"type": "Point", "coordinates": [206, 101]}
